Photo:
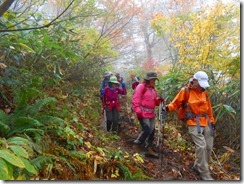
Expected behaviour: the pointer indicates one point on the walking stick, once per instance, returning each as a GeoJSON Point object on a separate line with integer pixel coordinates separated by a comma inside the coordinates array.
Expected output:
{"type": "Point", "coordinates": [162, 117]}
{"type": "Point", "coordinates": [127, 111]}
{"type": "Point", "coordinates": [104, 123]}
{"type": "Point", "coordinates": [105, 120]}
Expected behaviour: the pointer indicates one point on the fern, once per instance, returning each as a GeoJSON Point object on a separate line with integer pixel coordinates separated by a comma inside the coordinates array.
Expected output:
{"type": "Point", "coordinates": [23, 124]}
{"type": "Point", "coordinates": [23, 96]}
{"type": "Point", "coordinates": [40, 162]}
{"type": "Point", "coordinates": [125, 171]}
{"type": "Point", "coordinates": [38, 105]}
{"type": "Point", "coordinates": [4, 127]}
{"type": "Point", "coordinates": [51, 120]}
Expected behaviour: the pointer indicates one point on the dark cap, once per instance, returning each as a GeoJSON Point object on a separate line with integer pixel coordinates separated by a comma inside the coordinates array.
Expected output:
{"type": "Point", "coordinates": [151, 75]}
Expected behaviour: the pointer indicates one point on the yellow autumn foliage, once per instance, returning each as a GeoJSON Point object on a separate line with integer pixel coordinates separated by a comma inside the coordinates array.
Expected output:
{"type": "Point", "coordinates": [206, 39]}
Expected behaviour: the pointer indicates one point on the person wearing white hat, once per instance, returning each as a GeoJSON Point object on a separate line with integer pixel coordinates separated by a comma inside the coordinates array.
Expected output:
{"type": "Point", "coordinates": [200, 120]}
{"type": "Point", "coordinates": [202, 79]}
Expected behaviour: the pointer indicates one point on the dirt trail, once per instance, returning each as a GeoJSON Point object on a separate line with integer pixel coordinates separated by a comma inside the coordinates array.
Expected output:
{"type": "Point", "coordinates": [172, 165]}
{"type": "Point", "coordinates": [168, 167]}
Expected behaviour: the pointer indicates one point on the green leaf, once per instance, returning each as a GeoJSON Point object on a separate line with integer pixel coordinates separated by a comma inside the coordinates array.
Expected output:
{"type": "Point", "coordinates": [18, 141]}
{"type": "Point", "coordinates": [4, 127]}
{"type": "Point", "coordinates": [26, 47]}
{"type": "Point", "coordinates": [229, 108]}
{"type": "Point", "coordinates": [19, 151]}
{"type": "Point", "coordinates": [4, 172]}
{"type": "Point", "coordinates": [29, 167]}
{"type": "Point", "coordinates": [11, 158]}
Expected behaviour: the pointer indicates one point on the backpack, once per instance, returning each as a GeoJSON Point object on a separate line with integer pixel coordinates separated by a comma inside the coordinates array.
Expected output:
{"type": "Point", "coordinates": [184, 106]}
{"type": "Point", "coordinates": [185, 112]}
{"type": "Point", "coordinates": [134, 85]}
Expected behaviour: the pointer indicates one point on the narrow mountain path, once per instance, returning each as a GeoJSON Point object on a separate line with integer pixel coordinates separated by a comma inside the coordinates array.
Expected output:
{"type": "Point", "coordinates": [169, 166]}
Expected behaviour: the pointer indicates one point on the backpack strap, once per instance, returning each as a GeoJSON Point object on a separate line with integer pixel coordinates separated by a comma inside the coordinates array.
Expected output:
{"type": "Point", "coordinates": [187, 94]}
{"type": "Point", "coordinates": [144, 89]}
{"type": "Point", "coordinates": [188, 113]}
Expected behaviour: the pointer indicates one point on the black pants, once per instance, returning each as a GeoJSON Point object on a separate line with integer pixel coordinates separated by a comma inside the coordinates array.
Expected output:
{"type": "Point", "coordinates": [112, 119]}
{"type": "Point", "coordinates": [148, 131]}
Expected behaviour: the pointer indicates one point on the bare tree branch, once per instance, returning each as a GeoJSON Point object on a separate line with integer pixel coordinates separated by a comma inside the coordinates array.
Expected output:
{"type": "Point", "coordinates": [40, 27]}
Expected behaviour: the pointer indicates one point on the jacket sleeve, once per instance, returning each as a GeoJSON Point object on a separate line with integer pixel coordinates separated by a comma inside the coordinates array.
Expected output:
{"type": "Point", "coordinates": [177, 101]}
{"type": "Point", "coordinates": [122, 91]}
{"type": "Point", "coordinates": [157, 99]}
{"type": "Point", "coordinates": [102, 88]}
{"type": "Point", "coordinates": [136, 98]}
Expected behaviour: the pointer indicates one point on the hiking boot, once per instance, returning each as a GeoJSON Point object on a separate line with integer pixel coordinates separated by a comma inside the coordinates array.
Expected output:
{"type": "Point", "coordinates": [206, 176]}
{"type": "Point", "coordinates": [137, 142]}
{"type": "Point", "coordinates": [151, 153]}
{"type": "Point", "coordinates": [195, 169]}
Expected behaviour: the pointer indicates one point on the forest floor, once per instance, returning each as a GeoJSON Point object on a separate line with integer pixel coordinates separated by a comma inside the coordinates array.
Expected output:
{"type": "Point", "coordinates": [171, 165]}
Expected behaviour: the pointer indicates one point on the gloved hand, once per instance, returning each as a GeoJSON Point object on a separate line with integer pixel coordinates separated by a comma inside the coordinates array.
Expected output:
{"type": "Point", "coordinates": [165, 108]}
{"type": "Point", "coordinates": [139, 116]}
{"type": "Point", "coordinates": [161, 100]}
{"type": "Point", "coordinates": [212, 126]}
{"type": "Point", "coordinates": [123, 84]}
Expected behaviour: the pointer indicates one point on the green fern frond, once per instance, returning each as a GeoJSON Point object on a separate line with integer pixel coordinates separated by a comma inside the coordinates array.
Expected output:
{"type": "Point", "coordinates": [4, 127]}
{"type": "Point", "coordinates": [23, 96]}
{"type": "Point", "coordinates": [40, 162]}
{"type": "Point", "coordinates": [67, 162]}
{"type": "Point", "coordinates": [51, 120]}
{"type": "Point", "coordinates": [32, 110]}
{"type": "Point", "coordinates": [22, 124]}
{"type": "Point", "coordinates": [79, 155]}
{"type": "Point", "coordinates": [3, 117]}
{"type": "Point", "coordinates": [125, 171]}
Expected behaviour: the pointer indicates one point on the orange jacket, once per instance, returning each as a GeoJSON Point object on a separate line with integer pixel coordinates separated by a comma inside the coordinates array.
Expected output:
{"type": "Point", "coordinates": [199, 103]}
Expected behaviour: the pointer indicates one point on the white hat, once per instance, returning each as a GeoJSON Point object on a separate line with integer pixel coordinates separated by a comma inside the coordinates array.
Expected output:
{"type": "Point", "coordinates": [202, 79]}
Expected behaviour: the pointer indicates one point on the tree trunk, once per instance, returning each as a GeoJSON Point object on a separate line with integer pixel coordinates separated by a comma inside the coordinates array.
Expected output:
{"type": "Point", "coordinates": [5, 6]}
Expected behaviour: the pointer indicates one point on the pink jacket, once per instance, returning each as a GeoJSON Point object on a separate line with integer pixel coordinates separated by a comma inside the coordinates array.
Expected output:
{"type": "Point", "coordinates": [144, 101]}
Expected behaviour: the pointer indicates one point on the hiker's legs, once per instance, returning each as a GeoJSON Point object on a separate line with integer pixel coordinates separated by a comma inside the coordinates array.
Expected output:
{"type": "Point", "coordinates": [145, 130]}
{"type": "Point", "coordinates": [201, 161]}
{"type": "Point", "coordinates": [209, 141]}
{"type": "Point", "coordinates": [152, 132]}
{"type": "Point", "coordinates": [109, 116]}
{"type": "Point", "coordinates": [115, 120]}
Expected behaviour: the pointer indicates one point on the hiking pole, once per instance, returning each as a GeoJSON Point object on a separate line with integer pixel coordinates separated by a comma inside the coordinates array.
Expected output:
{"type": "Point", "coordinates": [105, 120]}
{"type": "Point", "coordinates": [162, 118]}
{"type": "Point", "coordinates": [104, 123]}
{"type": "Point", "coordinates": [127, 111]}
{"type": "Point", "coordinates": [159, 142]}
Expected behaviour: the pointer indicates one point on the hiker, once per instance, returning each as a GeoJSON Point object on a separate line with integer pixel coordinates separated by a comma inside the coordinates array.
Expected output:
{"type": "Point", "coordinates": [134, 81]}
{"type": "Point", "coordinates": [119, 78]}
{"type": "Point", "coordinates": [200, 120]}
{"type": "Point", "coordinates": [111, 102]}
{"type": "Point", "coordinates": [105, 81]}
{"type": "Point", "coordinates": [144, 100]}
